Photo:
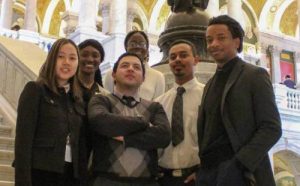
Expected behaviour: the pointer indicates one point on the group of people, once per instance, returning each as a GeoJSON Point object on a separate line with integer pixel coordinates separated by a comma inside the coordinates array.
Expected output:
{"type": "Point", "coordinates": [71, 131]}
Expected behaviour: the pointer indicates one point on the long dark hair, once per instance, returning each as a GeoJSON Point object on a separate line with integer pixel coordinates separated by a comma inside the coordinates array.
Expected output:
{"type": "Point", "coordinates": [47, 75]}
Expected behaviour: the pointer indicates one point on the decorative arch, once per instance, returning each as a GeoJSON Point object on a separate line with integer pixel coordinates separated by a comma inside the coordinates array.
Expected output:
{"type": "Point", "coordinates": [49, 14]}
{"type": "Point", "coordinates": [154, 16]}
{"type": "Point", "coordinates": [142, 16]}
{"type": "Point", "coordinates": [266, 17]}
{"type": "Point", "coordinates": [286, 166]}
{"type": "Point", "coordinates": [251, 10]}
{"type": "Point", "coordinates": [279, 14]}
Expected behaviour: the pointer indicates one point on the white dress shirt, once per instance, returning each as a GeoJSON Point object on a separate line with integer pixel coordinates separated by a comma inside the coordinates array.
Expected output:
{"type": "Point", "coordinates": [185, 154]}
{"type": "Point", "coordinates": [152, 87]}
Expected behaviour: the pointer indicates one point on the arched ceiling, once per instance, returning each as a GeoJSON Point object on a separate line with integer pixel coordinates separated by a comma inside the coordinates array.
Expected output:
{"type": "Point", "coordinates": [289, 20]}
{"type": "Point", "coordinates": [147, 6]}
{"type": "Point", "coordinates": [257, 6]}
{"type": "Point", "coordinates": [269, 13]}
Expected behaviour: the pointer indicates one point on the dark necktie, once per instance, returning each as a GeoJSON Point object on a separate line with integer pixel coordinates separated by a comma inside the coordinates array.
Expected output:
{"type": "Point", "coordinates": [129, 101]}
{"type": "Point", "coordinates": [177, 118]}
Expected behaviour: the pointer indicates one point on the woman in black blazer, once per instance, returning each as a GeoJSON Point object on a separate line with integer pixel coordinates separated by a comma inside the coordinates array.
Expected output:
{"type": "Point", "coordinates": [50, 124]}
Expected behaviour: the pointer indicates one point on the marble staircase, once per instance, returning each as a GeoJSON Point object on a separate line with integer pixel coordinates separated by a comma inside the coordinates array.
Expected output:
{"type": "Point", "coordinates": [6, 154]}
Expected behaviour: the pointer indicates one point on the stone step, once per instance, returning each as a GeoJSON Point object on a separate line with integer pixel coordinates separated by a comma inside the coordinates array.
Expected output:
{"type": "Point", "coordinates": [7, 173]}
{"type": "Point", "coordinates": [1, 120]}
{"type": "Point", "coordinates": [6, 157]}
{"type": "Point", "coordinates": [5, 131]}
{"type": "Point", "coordinates": [7, 143]}
{"type": "Point", "coordinates": [7, 183]}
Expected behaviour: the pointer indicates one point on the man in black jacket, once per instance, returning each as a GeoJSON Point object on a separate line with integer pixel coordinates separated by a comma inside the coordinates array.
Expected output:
{"type": "Point", "coordinates": [238, 120]}
{"type": "Point", "coordinates": [127, 129]}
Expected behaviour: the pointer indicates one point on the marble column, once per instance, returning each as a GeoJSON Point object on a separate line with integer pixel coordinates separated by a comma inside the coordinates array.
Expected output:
{"type": "Point", "coordinates": [6, 13]}
{"type": "Point", "coordinates": [274, 53]}
{"type": "Point", "coordinates": [118, 17]}
{"type": "Point", "coordinates": [105, 18]}
{"type": "Point", "coordinates": [86, 28]}
{"type": "Point", "coordinates": [234, 8]}
{"type": "Point", "coordinates": [298, 14]}
{"type": "Point", "coordinates": [297, 68]}
{"type": "Point", "coordinates": [71, 19]}
{"type": "Point", "coordinates": [131, 4]}
{"type": "Point", "coordinates": [213, 8]}
{"type": "Point", "coordinates": [87, 14]}
{"type": "Point", "coordinates": [29, 32]}
{"type": "Point", "coordinates": [130, 18]}
{"type": "Point", "coordinates": [30, 15]}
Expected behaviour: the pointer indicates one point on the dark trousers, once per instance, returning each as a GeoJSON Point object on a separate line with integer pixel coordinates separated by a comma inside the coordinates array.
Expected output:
{"type": "Point", "coordinates": [227, 173]}
{"type": "Point", "coordinates": [174, 181]}
{"type": "Point", "coordinates": [48, 178]}
{"type": "Point", "coordinates": [102, 181]}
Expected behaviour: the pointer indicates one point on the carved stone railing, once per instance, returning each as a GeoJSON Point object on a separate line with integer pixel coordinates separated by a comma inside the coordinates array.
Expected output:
{"type": "Point", "coordinates": [43, 42]}
{"type": "Point", "coordinates": [19, 63]}
{"type": "Point", "coordinates": [286, 98]}
{"type": "Point", "coordinates": [13, 76]}
{"type": "Point", "coordinates": [9, 33]}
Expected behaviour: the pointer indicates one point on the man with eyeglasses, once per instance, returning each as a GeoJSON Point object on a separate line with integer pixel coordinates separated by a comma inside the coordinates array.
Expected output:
{"type": "Point", "coordinates": [127, 130]}
{"type": "Point", "coordinates": [154, 85]}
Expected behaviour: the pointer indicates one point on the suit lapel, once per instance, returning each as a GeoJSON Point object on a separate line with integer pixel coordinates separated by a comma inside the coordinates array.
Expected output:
{"type": "Point", "coordinates": [234, 75]}
{"type": "Point", "coordinates": [201, 112]}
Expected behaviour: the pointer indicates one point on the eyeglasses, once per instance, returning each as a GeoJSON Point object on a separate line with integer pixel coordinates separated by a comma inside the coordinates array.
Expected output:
{"type": "Point", "coordinates": [137, 45]}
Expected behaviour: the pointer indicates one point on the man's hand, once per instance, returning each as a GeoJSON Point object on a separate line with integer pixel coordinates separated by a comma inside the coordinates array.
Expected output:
{"type": "Point", "coordinates": [119, 138]}
{"type": "Point", "coordinates": [190, 178]}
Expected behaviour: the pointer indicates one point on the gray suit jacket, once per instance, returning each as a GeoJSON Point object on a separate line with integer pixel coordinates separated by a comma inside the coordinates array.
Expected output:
{"type": "Point", "coordinates": [250, 117]}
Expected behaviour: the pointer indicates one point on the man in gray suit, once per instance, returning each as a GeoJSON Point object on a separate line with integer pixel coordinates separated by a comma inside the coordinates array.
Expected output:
{"type": "Point", "coordinates": [238, 120]}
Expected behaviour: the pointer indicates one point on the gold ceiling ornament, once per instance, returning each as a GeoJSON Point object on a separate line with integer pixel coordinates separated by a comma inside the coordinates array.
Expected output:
{"type": "Point", "coordinates": [56, 19]}
{"type": "Point", "coordinates": [289, 20]}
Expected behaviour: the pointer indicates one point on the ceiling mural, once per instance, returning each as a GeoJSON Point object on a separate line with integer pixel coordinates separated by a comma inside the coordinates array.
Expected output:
{"type": "Point", "coordinates": [289, 20]}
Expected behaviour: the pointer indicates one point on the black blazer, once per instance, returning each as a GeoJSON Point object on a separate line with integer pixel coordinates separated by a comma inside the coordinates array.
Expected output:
{"type": "Point", "coordinates": [250, 117]}
{"type": "Point", "coordinates": [44, 120]}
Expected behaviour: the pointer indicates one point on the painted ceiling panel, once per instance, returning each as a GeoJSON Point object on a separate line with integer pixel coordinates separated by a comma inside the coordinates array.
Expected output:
{"type": "Point", "coordinates": [289, 20]}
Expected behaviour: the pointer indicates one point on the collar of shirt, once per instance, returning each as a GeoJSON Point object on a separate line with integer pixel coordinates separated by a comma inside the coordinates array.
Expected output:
{"type": "Point", "coordinates": [120, 95]}
{"type": "Point", "coordinates": [188, 85]}
{"type": "Point", "coordinates": [66, 88]}
{"type": "Point", "coordinates": [229, 65]}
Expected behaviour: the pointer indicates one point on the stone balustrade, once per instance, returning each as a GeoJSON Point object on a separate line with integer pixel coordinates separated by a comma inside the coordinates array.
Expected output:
{"type": "Point", "coordinates": [9, 33]}
{"type": "Point", "coordinates": [286, 98]}
{"type": "Point", "coordinates": [43, 42]}
{"type": "Point", "coordinates": [13, 76]}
